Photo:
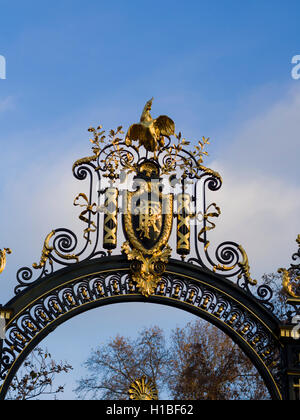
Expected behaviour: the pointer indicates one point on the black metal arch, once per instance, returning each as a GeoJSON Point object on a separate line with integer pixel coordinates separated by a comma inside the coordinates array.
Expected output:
{"type": "Point", "coordinates": [44, 305]}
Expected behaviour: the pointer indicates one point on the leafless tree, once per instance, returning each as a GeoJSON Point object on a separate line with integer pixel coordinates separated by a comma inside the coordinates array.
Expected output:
{"type": "Point", "coordinates": [36, 377]}
{"type": "Point", "coordinates": [198, 362]}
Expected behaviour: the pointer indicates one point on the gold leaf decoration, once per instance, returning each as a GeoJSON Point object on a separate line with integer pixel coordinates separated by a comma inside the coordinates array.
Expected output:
{"type": "Point", "coordinates": [143, 389]}
{"type": "Point", "coordinates": [3, 254]}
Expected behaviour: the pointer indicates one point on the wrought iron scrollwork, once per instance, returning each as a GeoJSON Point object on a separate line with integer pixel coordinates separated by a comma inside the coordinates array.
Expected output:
{"type": "Point", "coordinates": [152, 203]}
{"type": "Point", "coordinates": [82, 293]}
{"type": "Point", "coordinates": [180, 170]}
{"type": "Point", "coordinates": [232, 314]}
{"type": "Point", "coordinates": [291, 285]}
{"type": "Point", "coordinates": [291, 276]}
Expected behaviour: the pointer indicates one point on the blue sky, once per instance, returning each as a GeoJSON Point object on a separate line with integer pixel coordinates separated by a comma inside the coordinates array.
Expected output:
{"type": "Point", "coordinates": [220, 69]}
{"type": "Point", "coordinates": [64, 58]}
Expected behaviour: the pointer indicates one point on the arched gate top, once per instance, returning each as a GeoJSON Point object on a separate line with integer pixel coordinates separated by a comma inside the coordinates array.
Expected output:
{"type": "Point", "coordinates": [46, 304]}
{"type": "Point", "coordinates": [151, 202]}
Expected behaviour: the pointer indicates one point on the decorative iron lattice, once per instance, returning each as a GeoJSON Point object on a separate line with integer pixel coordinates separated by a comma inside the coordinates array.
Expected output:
{"type": "Point", "coordinates": [42, 315]}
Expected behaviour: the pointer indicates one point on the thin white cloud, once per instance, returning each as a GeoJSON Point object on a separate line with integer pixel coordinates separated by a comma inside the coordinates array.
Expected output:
{"type": "Point", "coordinates": [7, 104]}
{"type": "Point", "coordinates": [260, 197]}
{"type": "Point", "coordinates": [269, 142]}
{"type": "Point", "coordinates": [261, 213]}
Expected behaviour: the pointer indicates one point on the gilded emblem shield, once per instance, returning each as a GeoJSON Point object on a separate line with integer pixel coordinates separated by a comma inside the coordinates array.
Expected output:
{"type": "Point", "coordinates": [147, 225]}
{"type": "Point", "coordinates": [148, 218]}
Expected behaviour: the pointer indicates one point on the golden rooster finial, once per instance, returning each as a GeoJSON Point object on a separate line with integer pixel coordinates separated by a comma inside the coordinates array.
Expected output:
{"type": "Point", "coordinates": [150, 132]}
{"type": "Point", "coordinates": [3, 258]}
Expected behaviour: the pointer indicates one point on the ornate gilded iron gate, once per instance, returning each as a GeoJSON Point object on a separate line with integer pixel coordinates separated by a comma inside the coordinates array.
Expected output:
{"type": "Point", "coordinates": [154, 193]}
